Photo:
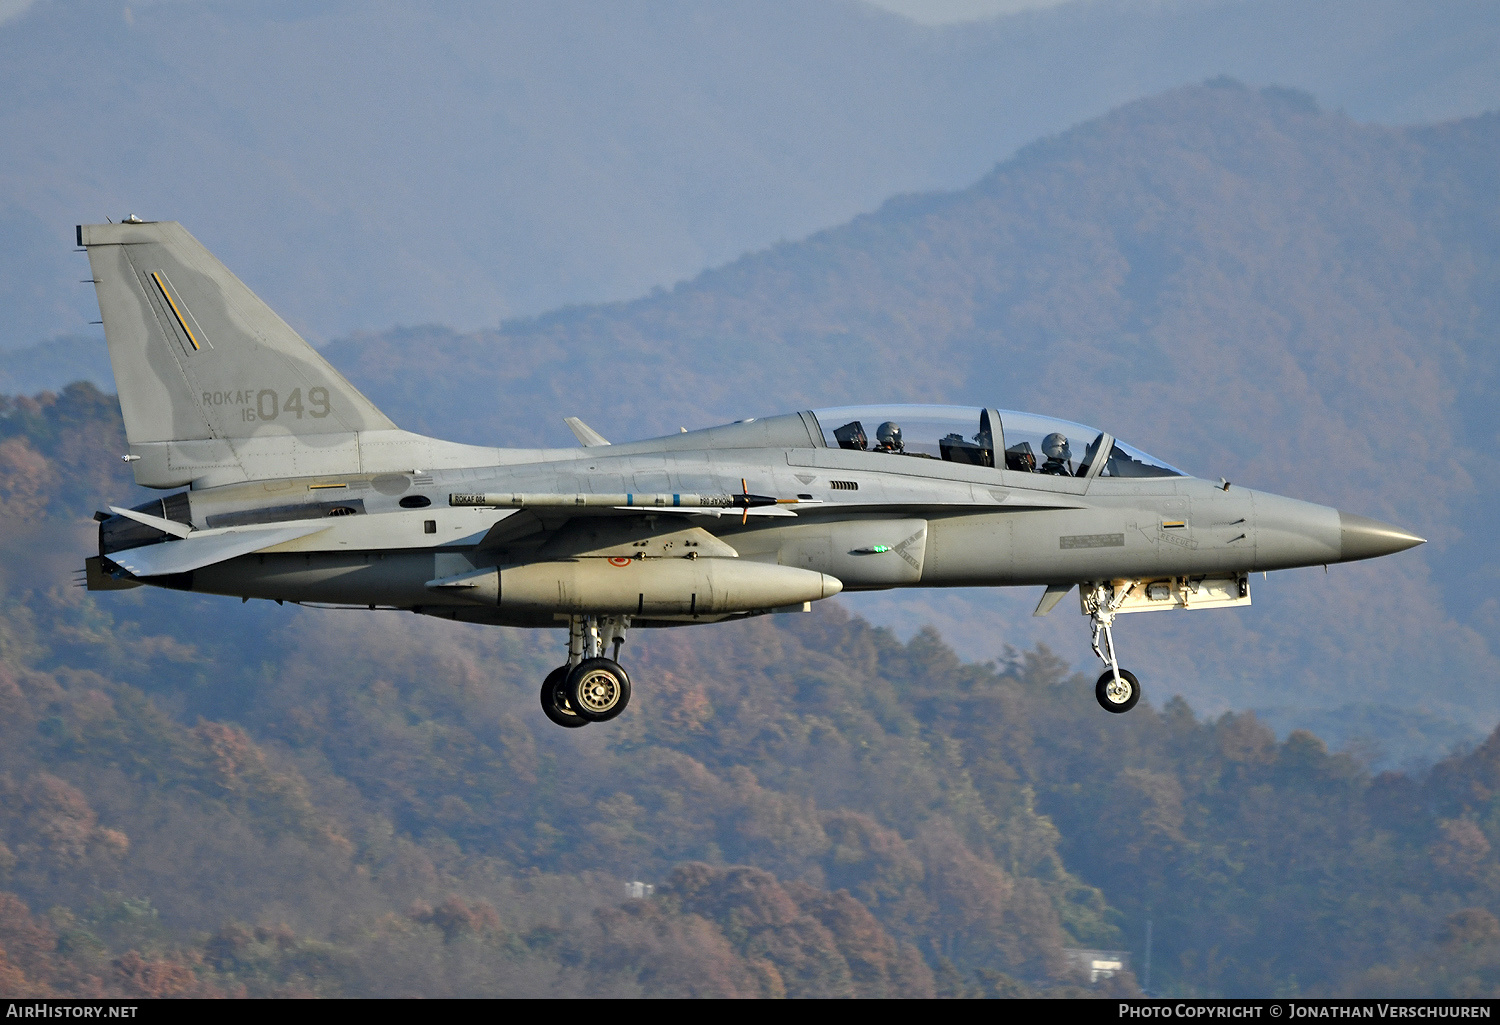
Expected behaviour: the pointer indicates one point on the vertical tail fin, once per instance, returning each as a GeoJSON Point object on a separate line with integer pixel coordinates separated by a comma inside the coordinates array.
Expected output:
{"type": "Point", "coordinates": [211, 381]}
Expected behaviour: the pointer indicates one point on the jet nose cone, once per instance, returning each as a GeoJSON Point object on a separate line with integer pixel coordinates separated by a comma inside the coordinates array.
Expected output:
{"type": "Point", "coordinates": [1363, 538]}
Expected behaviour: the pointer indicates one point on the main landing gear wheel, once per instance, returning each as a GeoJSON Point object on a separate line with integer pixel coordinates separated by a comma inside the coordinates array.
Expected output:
{"type": "Point", "coordinates": [598, 689]}
{"type": "Point", "coordinates": [1117, 695]}
{"type": "Point", "coordinates": [555, 700]}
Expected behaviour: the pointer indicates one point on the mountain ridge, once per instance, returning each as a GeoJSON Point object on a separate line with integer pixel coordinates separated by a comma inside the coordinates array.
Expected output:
{"type": "Point", "coordinates": [365, 164]}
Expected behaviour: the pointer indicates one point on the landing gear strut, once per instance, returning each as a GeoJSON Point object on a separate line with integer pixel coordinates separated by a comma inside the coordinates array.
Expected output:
{"type": "Point", "coordinates": [591, 687]}
{"type": "Point", "coordinates": [1117, 690]}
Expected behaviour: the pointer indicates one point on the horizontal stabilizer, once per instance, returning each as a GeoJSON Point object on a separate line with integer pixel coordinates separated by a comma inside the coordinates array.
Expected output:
{"type": "Point", "coordinates": [204, 548]}
{"type": "Point", "coordinates": [166, 526]}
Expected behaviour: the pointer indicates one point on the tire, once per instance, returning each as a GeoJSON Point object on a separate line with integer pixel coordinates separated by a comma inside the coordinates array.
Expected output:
{"type": "Point", "coordinates": [1102, 691]}
{"type": "Point", "coordinates": [598, 689]}
{"type": "Point", "coordinates": [555, 700]}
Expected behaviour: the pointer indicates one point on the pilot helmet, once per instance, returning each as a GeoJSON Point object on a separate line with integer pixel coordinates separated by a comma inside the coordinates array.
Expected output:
{"type": "Point", "coordinates": [888, 436]}
{"type": "Point", "coordinates": [1055, 446]}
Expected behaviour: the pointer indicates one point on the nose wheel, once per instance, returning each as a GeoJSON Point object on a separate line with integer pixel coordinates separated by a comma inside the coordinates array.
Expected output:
{"type": "Point", "coordinates": [1117, 689]}
{"type": "Point", "coordinates": [1117, 693]}
{"type": "Point", "coordinates": [591, 687]}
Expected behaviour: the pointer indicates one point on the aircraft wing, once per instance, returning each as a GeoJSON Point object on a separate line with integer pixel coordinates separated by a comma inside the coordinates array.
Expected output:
{"type": "Point", "coordinates": [204, 548]}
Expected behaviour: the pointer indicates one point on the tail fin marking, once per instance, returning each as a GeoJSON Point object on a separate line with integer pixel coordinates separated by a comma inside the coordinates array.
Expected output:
{"type": "Point", "coordinates": [159, 278]}
{"type": "Point", "coordinates": [207, 373]}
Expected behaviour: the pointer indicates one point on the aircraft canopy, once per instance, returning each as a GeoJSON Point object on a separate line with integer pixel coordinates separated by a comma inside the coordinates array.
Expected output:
{"type": "Point", "coordinates": [961, 434]}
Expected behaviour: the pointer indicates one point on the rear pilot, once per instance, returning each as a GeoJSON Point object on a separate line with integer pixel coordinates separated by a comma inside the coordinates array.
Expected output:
{"type": "Point", "coordinates": [1055, 448]}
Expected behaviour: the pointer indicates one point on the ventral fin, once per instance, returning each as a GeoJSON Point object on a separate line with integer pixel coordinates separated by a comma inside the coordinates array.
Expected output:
{"type": "Point", "coordinates": [1050, 597]}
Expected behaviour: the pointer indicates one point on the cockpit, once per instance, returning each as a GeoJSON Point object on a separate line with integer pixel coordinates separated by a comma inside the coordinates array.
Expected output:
{"type": "Point", "coordinates": [1027, 443]}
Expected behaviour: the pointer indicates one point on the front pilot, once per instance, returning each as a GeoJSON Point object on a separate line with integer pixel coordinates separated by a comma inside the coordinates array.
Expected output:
{"type": "Point", "coordinates": [888, 437]}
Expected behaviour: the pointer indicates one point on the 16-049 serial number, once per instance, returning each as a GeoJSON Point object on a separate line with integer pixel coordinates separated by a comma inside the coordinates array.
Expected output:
{"type": "Point", "coordinates": [266, 404]}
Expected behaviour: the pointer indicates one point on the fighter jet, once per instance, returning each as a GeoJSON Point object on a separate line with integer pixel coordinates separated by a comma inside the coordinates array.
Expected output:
{"type": "Point", "coordinates": [288, 484]}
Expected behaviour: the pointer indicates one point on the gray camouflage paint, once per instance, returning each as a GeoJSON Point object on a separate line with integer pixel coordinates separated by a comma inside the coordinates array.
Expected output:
{"type": "Point", "coordinates": [220, 395]}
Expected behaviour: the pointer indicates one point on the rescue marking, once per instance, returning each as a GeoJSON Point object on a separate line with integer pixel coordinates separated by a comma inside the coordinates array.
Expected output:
{"type": "Point", "coordinates": [1178, 538]}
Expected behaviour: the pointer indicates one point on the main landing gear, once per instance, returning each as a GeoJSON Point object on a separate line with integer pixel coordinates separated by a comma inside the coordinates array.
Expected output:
{"type": "Point", "coordinates": [1117, 690]}
{"type": "Point", "coordinates": [591, 687]}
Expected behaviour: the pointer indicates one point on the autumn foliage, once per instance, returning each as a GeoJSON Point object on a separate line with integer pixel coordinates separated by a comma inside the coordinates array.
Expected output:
{"type": "Point", "coordinates": [203, 798]}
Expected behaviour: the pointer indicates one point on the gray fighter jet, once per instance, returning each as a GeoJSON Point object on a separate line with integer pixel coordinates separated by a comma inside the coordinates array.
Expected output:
{"type": "Point", "coordinates": [299, 490]}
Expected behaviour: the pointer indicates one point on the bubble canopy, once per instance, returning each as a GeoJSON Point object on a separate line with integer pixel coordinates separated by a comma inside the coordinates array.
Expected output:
{"type": "Point", "coordinates": [1028, 443]}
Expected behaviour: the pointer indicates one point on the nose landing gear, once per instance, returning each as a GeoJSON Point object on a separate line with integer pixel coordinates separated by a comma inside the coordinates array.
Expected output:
{"type": "Point", "coordinates": [591, 687]}
{"type": "Point", "coordinates": [1117, 689]}
{"type": "Point", "coordinates": [1117, 693]}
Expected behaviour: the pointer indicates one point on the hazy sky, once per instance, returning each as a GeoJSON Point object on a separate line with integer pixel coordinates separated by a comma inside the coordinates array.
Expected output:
{"type": "Point", "coordinates": [930, 12]}
{"type": "Point", "coordinates": [941, 12]}
{"type": "Point", "coordinates": [10, 8]}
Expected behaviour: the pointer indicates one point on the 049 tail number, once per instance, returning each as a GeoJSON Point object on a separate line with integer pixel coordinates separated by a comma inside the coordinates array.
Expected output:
{"type": "Point", "coordinates": [269, 405]}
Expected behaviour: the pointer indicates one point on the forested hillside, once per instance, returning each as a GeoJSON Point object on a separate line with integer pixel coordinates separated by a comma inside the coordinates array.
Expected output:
{"type": "Point", "coordinates": [204, 797]}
